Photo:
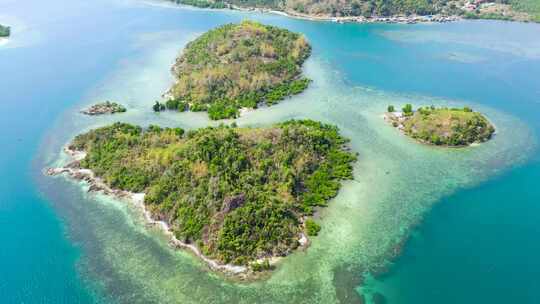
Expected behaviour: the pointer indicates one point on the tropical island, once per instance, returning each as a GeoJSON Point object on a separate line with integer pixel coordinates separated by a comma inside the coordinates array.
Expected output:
{"type": "Point", "coordinates": [106, 107]}
{"type": "Point", "coordinates": [452, 127]}
{"type": "Point", "coordinates": [237, 66]}
{"type": "Point", "coordinates": [238, 197]}
{"type": "Point", "coordinates": [386, 10]}
{"type": "Point", "coordinates": [5, 31]}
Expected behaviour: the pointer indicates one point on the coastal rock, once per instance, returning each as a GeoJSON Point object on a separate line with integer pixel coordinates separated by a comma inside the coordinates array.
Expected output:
{"type": "Point", "coordinates": [106, 107]}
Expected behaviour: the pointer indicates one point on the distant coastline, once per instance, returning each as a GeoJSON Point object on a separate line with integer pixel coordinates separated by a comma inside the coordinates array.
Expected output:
{"type": "Point", "coordinates": [400, 19]}
{"type": "Point", "coordinates": [470, 9]}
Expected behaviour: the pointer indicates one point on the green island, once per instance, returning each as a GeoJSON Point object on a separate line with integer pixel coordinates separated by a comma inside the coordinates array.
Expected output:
{"type": "Point", "coordinates": [453, 127]}
{"type": "Point", "coordinates": [240, 195]}
{"type": "Point", "coordinates": [5, 31]}
{"type": "Point", "coordinates": [238, 66]}
{"type": "Point", "coordinates": [380, 10]}
{"type": "Point", "coordinates": [106, 107]}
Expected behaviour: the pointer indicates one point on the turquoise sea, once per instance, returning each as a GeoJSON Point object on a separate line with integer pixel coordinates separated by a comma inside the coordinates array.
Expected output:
{"type": "Point", "coordinates": [417, 225]}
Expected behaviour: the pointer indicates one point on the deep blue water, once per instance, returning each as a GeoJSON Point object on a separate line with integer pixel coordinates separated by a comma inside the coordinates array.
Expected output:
{"type": "Point", "coordinates": [479, 245]}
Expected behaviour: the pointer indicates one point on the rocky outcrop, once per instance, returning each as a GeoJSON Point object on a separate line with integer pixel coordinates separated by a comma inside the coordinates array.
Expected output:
{"type": "Point", "coordinates": [104, 108]}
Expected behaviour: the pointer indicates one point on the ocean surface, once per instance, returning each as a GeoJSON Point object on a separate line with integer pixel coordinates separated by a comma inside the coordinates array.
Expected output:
{"type": "Point", "coordinates": [417, 225]}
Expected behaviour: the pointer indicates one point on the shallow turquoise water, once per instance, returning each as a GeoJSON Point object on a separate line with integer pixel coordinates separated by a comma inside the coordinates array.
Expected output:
{"type": "Point", "coordinates": [65, 246]}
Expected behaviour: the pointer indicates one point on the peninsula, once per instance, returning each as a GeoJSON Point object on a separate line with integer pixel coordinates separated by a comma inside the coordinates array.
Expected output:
{"type": "Point", "coordinates": [106, 107]}
{"type": "Point", "coordinates": [235, 196]}
{"type": "Point", "coordinates": [450, 127]}
{"type": "Point", "coordinates": [388, 11]}
{"type": "Point", "coordinates": [237, 66]}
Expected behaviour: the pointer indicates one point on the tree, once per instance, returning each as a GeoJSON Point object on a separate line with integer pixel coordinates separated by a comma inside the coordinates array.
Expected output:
{"type": "Point", "coordinates": [407, 109]}
{"type": "Point", "coordinates": [171, 104]}
{"type": "Point", "coordinates": [158, 107]}
{"type": "Point", "coordinates": [312, 227]}
{"type": "Point", "coordinates": [390, 109]}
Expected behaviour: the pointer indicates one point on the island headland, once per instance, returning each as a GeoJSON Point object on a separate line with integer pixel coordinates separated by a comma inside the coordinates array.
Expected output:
{"type": "Point", "coordinates": [239, 198]}
{"type": "Point", "coordinates": [237, 66]}
{"type": "Point", "coordinates": [450, 127]}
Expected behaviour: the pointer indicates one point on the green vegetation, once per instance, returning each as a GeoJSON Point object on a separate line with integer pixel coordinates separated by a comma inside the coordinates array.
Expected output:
{"type": "Point", "coordinates": [202, 3]}
{"type": "Point", "coordinates": [390, 109]}
{"type": "Point", "coordinates": [239, 194]}
{"type": "Point", "coordinates": [407, 110]}
{"type": "Point", "coordinates": [239, 65]}
{"type": "Point", "coordinates": [530, 7]}
{"type": "Point", "coordinates": [262, 266]}
{"type": "Point", "coordinates": [5, 31]}
{"type": "Point", "coordinates": [444, 126]}
{"type": "Point", "coordinates": [158, 106]}
{"type": "Point", "coordinates": [312, 228]}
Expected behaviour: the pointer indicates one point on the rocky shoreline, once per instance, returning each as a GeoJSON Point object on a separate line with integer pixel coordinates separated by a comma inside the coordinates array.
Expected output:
{"type": "Point", "coordinates": [73, 170]}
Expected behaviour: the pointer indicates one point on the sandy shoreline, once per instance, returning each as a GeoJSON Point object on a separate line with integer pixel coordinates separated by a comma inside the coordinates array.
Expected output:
{"type": "Point", "coordinates": [137, 199]}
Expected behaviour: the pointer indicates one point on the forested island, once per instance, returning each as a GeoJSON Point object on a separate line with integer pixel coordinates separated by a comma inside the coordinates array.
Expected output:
{"type": "Point", "coordinates": [387, 10]}
{"type": "Point", "coordinates": [240, 195]}
{"type": "Point", "coordinates": [5, 31]}
{"type": "Point", "coordinates": [106, 107]}
{"type": "Point", "coordinates": [455, 127]}
{"type": "Point", "coordinates": [238, 66]}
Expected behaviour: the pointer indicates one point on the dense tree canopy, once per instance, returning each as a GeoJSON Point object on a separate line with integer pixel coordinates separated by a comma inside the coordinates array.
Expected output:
{"type": "Point", "coordinates": [239, 65]}
{"type": "Point", "coordinates": [237, 193]}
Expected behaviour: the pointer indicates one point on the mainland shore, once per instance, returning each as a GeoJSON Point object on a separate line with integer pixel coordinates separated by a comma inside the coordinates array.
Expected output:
{"type": "Point", "coordinates": [401, 19]}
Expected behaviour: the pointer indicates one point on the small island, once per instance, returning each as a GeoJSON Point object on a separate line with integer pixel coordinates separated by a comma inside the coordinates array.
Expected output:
{"type": "Point", "coordinates": [452, 127]}
{"type": "Point", "coordinates": [5, 31]}
{"type": "Point", "coordinates": [237, 197]}
{"type": "Point", "coordinates": [106, 107]}
{"type": "Point", "coordinates": [237, 66]}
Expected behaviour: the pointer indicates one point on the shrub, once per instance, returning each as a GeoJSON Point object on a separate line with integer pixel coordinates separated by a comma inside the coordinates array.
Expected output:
{"type": "Point", "coordinates": [262, 266]}
{"type": "Point", "coordinates": [158, 107]}
{"type": "Point", "coordinates": [407, 110]}
{"type": "Point", "coordinates": [312, 228]}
